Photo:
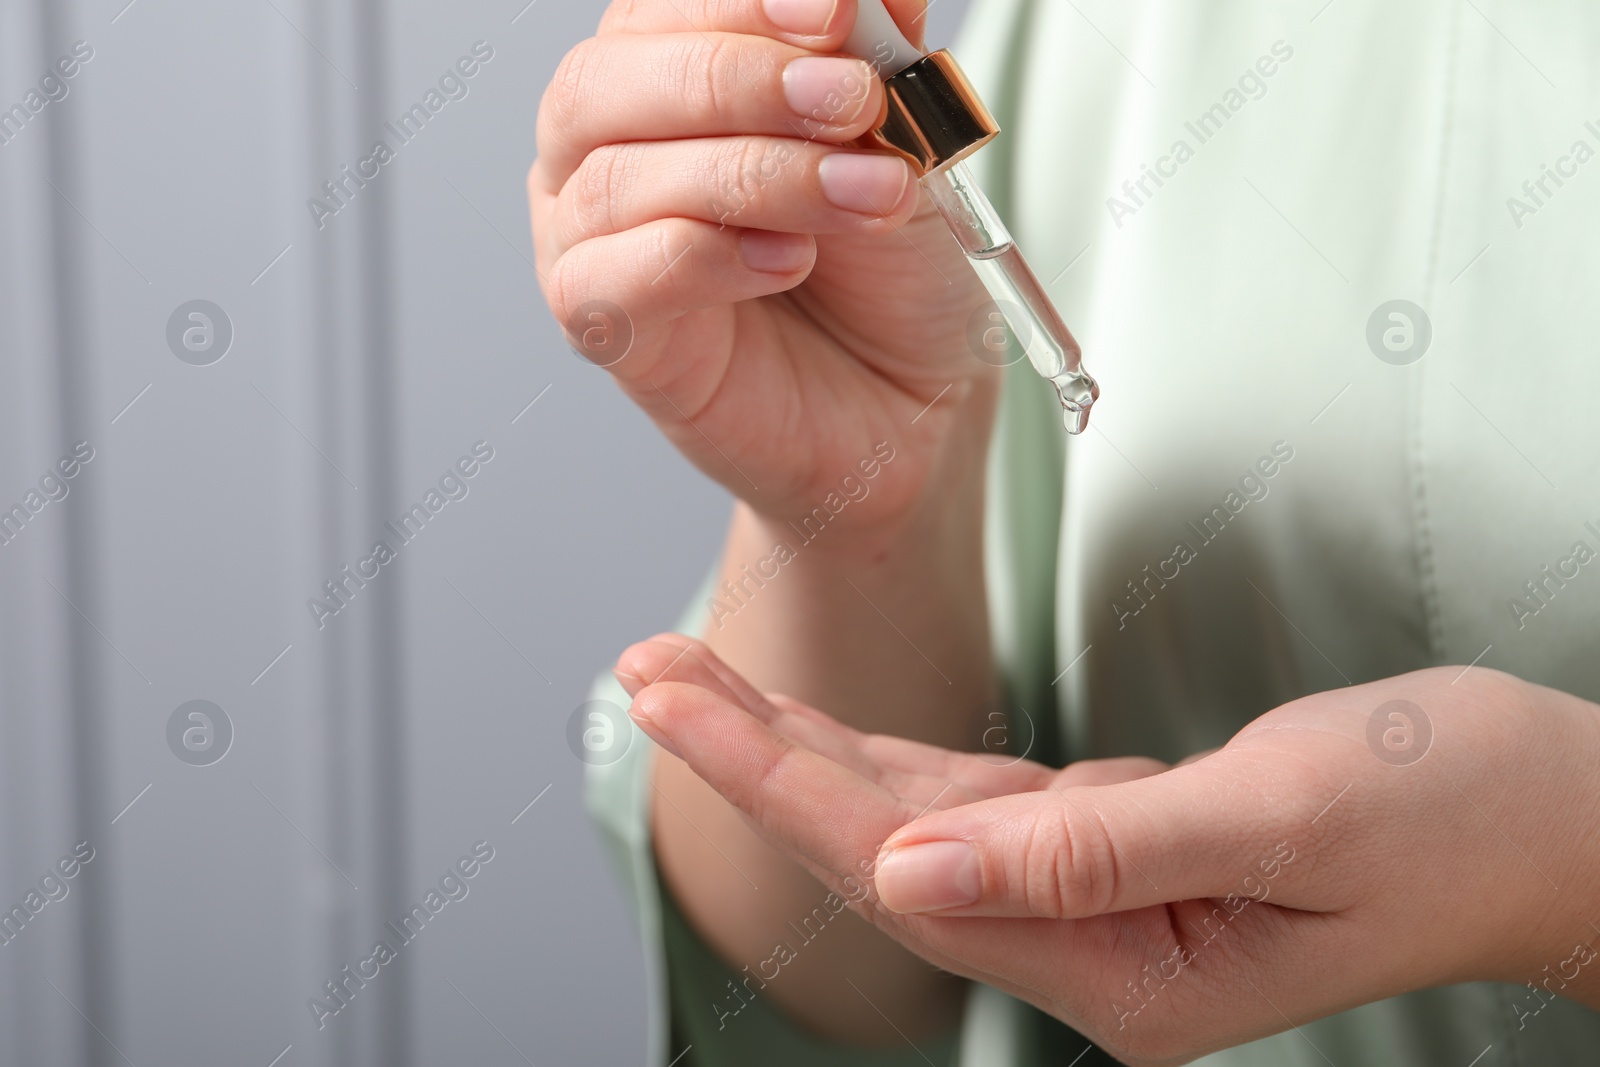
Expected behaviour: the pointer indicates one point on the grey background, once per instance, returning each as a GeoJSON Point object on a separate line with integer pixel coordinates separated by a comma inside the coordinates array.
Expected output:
{"type": "Point", "coordinates": [367, 357]}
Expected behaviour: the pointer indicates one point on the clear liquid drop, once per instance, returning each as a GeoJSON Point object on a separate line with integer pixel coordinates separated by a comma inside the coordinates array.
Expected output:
{"type": "Point", "coordinates": [1077, 393]}
{"type": "Point", "coordinates": [1026, 306]}
{"type": "Point", "coordinates": [1038, 327]}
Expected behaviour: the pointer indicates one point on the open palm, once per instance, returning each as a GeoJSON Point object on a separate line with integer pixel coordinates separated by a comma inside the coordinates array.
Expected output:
{"type": "Point", "coordinates": [1166, 912]}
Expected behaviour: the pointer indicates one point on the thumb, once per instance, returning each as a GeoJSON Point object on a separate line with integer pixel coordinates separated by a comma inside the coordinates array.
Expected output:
{"type": "Point", "coordinates": [1071, 853]}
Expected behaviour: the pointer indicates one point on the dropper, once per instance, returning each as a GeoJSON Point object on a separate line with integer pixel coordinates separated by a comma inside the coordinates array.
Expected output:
{"type": "Point", "coordinates": [934, 118]}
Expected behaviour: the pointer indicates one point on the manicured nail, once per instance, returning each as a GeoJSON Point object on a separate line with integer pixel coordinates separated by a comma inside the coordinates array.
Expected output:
{"type": "Point", "coordinates": [827, 90]}
{"type": "Point", "coordinates": [869, 182]}
{"type": "Point", "coordinates": [928, 877]}
{"type": "Point", "coordinates": [654, 732]}
{"type": "Point", "coordinates": [775, 253]}
{"type": "Point", "coordinates": [807, 18]}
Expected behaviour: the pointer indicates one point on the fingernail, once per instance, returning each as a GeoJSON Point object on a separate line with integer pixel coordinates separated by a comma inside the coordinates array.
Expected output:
{"type": "Point", "coordinates": [776, 253]}
{"type": "Point", "coordinates": [808, 18]}
{"type": "Point", "coordinates": [827, 90]}
{"type": "Point", "coordinates": [869, 182]}
{"type": "Point", "coordinates": [928, 877]}
{"type": "Point", "coordinates": [643, 721]}
{"type": "Point", "coordinates": [631, 683]}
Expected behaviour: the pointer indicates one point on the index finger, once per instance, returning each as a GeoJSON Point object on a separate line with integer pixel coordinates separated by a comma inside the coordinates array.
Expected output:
{"type": "Point", "coordinates": [821, 25]}
{"type": "Point", "coordinates": [819, 811]}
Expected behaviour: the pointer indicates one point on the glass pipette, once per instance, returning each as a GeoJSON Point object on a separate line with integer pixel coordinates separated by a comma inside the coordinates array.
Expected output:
{"type": "Point", "coordinates": [934, 118]}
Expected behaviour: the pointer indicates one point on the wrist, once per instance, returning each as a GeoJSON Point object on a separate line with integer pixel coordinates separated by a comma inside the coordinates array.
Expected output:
{"type": "Point", "coordinates": [1563, 957]}
{"type": "Point", "coordinates": [1577, 961]}
{"type": "Point", "coordinates": [917, 490]}
{"type": "Point", "coordinates": [867, 598]}
{"type": "Point", "coordinates": [898, 527]}
{"type": "Point", "coordinates": [884, 514]}
{"type": "Point", "coordinates": [889, 634]}
{"type": "Point", "coordinates": [928, 563]}
{"type": "Point", "coordinates": [1580, 952]}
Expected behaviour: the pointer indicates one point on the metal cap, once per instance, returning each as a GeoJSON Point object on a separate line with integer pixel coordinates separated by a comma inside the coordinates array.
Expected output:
{"type": "Point", "coordinates": [932, 115]}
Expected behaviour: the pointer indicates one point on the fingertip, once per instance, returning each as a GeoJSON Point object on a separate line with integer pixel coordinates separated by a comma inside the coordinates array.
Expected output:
{"type": "Point", "coordinates": [631, 683]}
{"type": "Point", "coordinates": [651, 705]}
{"type": "Point", "coordinates": [646, 661]}
{"type": "Point", "coordinates": [770, 252]}
{"type": "Point", "coordinates": [815, 21]}
{"type": "Point", "coordinates": [630, 667]}
{"type": "Point", "coordinates": [656, 705]}
{"type": "Point", "coordinates": [927, 877]}
{"type": "Point", "coordinates": [903, 209]}
{"type": "Point", "coordinates": [666, 710]}
{"type": "Point", "coordinates": [878, 185]}
{"type": "Point", "coordinates": [949, 824]}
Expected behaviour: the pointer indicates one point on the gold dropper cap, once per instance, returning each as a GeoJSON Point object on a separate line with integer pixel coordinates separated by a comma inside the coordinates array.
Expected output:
{"type": "Point", "coordinates": [931, 115]}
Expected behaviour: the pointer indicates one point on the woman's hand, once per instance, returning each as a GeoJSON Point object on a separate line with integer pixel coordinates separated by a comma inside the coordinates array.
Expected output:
{"type": "Point", "coordinates": [778, 303]}
{"type": "Point", "coordinates": [793, 315]}
{"type": "Point", "coordinates": [1433, 828]}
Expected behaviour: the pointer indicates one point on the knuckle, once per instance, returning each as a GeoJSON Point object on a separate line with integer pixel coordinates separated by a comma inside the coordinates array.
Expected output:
{"type": "Point", "coordinates": [705, 74]}
{"type": "Point", "coordinates": [564, 285]}
{"type": "Point", "coordinates": [669, 247]}
{"type": "Point", "coordinates": [1046, 860]}
{"type": "Point", "coordinates": [565, 96]}
{"type": "Point", "coordinates": [600, 182]}
{"type": "Point", "coordinates": [656, 249]}
{"type": "Point", "coordinates": [763, 798]}
{"type": "Point", "coordinates": [1090, 877]}
{"type": "Point", "coordinates": [617, 15]}
{"type": "Point", "coordinates": [738, 171]}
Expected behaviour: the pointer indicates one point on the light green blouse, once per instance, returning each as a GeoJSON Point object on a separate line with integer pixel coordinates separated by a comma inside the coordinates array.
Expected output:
{"type": "Point", "coordinates": [1225, 197]}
